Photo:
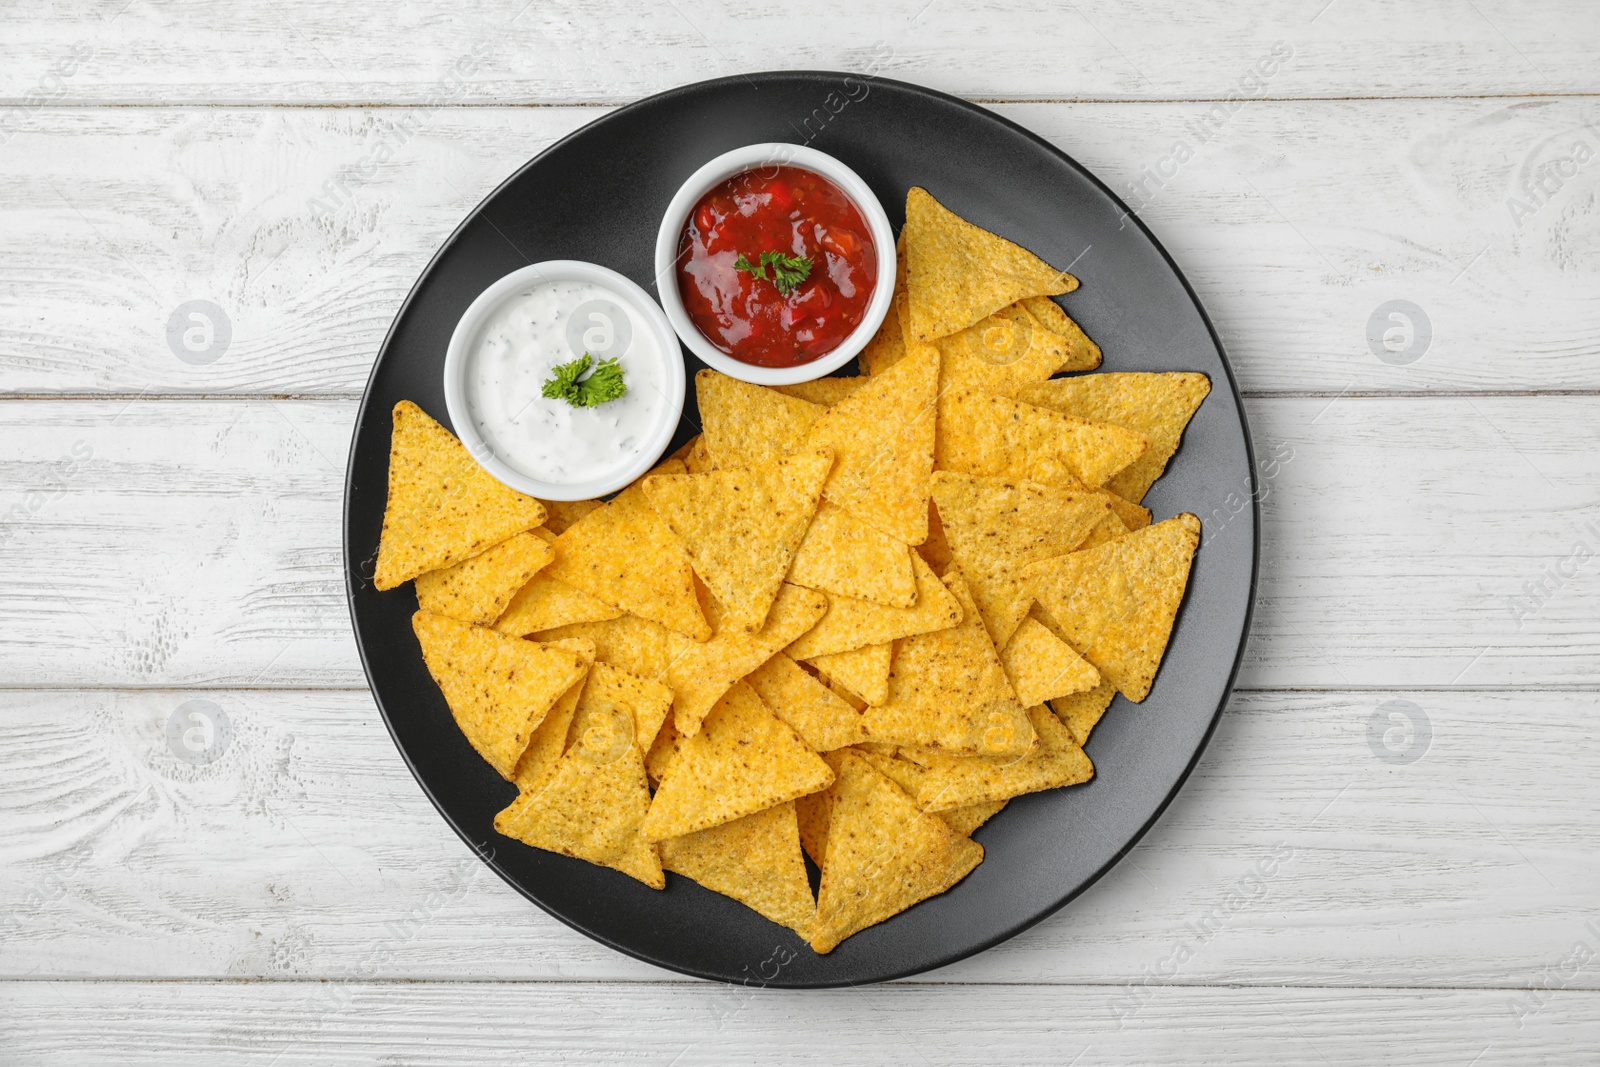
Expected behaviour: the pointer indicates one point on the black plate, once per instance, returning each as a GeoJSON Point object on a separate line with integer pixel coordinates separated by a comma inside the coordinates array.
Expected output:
{"type": "Point", "coordinates": [598, 195]}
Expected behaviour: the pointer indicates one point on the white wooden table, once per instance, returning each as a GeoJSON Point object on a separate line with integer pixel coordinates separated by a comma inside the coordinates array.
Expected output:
{"type": "Point", "coordinates": [1412, 754]}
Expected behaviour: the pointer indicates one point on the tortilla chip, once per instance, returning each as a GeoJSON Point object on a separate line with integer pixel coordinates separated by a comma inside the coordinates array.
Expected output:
{"type": "Point", "coordinates": [851, 624]}
{"type": "Point", "coordinates": [996, 526]}
{"type": "Point", "coordinates": [746, 424]}
{"type": "Point", "coordinates": [560, 514]}
{"type": "Point", "coordinates": [1082, 353]}
{"type": "Point", "coordinates": [591, 809]}
{"type": "Point", "coordinates": [936, 549]}
{"type": "Point", "coordinates": [888, 345]}
{"type": "Point", "coordinates": [1109, 528]}
{"type": "Point", "coordinates": [1133, 516]}
{"type": "Point", "coordinates": [994, 436]}
{"type": "Point", "coordinates": [1041, 666]}
{"type": "Point", "coordinates": [625, 555]}
{"type": "Point", "coordinates": [864, 671]}
{"type": "Point", "coordinates": [443, 507]}
{"type": "Point", "coordinates": [824, 391]}
{"type": "Point", "coordinates": [549, 742]}
{"type": "Point", "coordinates": [822, 720]}
{"type": "Point", "coordinates": [498, 688]}
{"type": "Point", "coordinates": [646, 702]}
{"type": "Point", "coordinates": [947, 690]}
{"type": "Point", "coordinates": [909, 777]}
{"type": "Point", "coordinates": [662, 752]}
{"type": "Point", "coordinates": [883, 854]}
{"type": "Point", "coordinates": [636, 645]}
{"type": "Point", "coordinates": [999, 354]}
{"type": "Point", "coordinates": [1081, 711]}
{"type": "Point", "coordinates": [957, 273]}
{"type": "Point", "coordinates": [882, 441]}
{"type": "Point", "coordinates": [743, 759]}
{"type": "Point", "coordinates": [841, 554]}
{"type": "Point", "coordinates": [1158, 406]}
{"type": "Point", "coordinates": [755, 860]}
{"type": "Point", "coordinates": [546, 603]}
{"type": "Point", "coordinates": [700, 673]}
{"type": "Point", "coordinates": [842, 691]}
{"type": "Point", "coordinates": [954, 782]}
{"type": "Point", "coordinates": [477, 590]}
{"type": "Point", "coordinates": [1115, 604]}
{"type": "Point", "coordinates": [741, 527]}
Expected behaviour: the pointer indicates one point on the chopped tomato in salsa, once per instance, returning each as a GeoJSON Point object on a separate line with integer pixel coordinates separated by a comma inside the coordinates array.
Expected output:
{"type": "Point", "coordinates": [806, 266]}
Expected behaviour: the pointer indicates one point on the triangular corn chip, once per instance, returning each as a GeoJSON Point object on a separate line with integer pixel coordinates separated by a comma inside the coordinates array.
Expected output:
{"type": "Point", "coordinates": [637, 645]}
{"type": "Point", "coordinates": [1133, 516]}
{"type": "Point", "coordinates": [824, 391]}
{"type": "Point", "coordinates": [499, 688]}
{"type": "Point", "coordinates": [477, 590]}
{"type": "Point", "coordinates": [1109, 528]}
{"type": "Point", "coordinates": [1042, 667]}
{"type": "Point", "coordinates": [546, 603]}
{"type": "Point", "coordinates": [1082, 353]}
{"type": "Point", "coordinates": [882, 441]}
{"type": "Point", "coordinates": [822, 720]}
{"type": "Point", "coordinates": [559, 514]}
{"type": "Point", "coordinates": [995, 526]}
{"type": "Point", "coordinates": [851, 624]}
{"type": "Point", "coordinates": [701, 672]}
{"type": "Point", "coordinates": [995, 436]}
{"type": "Point", "coordinates": [888, 345]}
{"type": "Point", "coordinates": [883, 855]}
{"type": "Point", "coordinates": [755, 860]}
{"type": "Point", "coordinates": [864, 671]}
{"type": "Point", "coordinates": [909, 777]}
{"type": "Point", "coordinates": [443, 507]}
{"type": "Point", "coordinates": [1115, 604]}
{"type": "Point", "coordinates": [662, 752]}
{"type": "Point", "coordinates": [954, 782]}
{"type": "Point", "coordinates": [1080, 712]}
{"type": "Point", "coordinates": [841, 554]}
{"type": "Point", "coordinates": [957, 273]}
{"type": "Point", "coordinates": [1158, 406]}
{"type": "Point", "coordinates": [591, 808]}
{"type": "Point", "coordinates": [947, 690]}
{"type": "Point", "coordinates": [625, 555]}
{"type": "Point", "coordinates": [999, 354]}
{"type": "Point", "coordinates": [647, 702]}
{"type": "Point", "coordinates": [743, 759]}
{"type": "Point", "coordinates": [741, 527]}
{"type": "Point", "coordinates": [744, 424]}
{"type": "Point", "coordinates": [549, 742]}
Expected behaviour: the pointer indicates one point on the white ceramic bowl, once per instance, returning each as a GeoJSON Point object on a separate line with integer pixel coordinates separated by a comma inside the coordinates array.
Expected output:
{"type": "Point", "coordinates": [465, 337]}
{"type": "Point", "coordinates": [720, 169]}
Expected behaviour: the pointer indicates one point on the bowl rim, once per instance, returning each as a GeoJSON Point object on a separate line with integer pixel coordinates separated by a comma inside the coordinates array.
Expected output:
{"type": "Point", "coordinates": [457, 359]}
{"type": "Point", "coordinates": [776, 154]}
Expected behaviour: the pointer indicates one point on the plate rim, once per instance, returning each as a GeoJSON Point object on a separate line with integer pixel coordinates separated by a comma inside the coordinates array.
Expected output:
{"type": "Point", "coordinates": [485, 850]}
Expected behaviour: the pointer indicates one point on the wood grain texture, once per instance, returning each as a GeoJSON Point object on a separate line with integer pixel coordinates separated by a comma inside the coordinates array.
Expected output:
{"type": "Point", "coordinates": [307, 51]}
{"type": "Point", "coordinates": [1295, 855]}
{"type": "Point", "coordinates": [1405, 543]}
{"type": "Point", "coordinates": [1295, 221]}
{"type": "Point", "coordinates": [287, 1024]}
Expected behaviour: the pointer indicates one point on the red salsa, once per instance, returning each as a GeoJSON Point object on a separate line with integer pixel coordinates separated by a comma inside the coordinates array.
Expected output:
{"type": "Point", "coordinates": [776, 266]}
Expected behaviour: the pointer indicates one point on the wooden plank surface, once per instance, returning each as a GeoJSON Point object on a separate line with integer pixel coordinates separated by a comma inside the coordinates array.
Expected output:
{"type": "Point", "coordinates": [286, 1024]}
{"type": "Point", "coordinates": [513, 51]}
{"type": "Point", "coordinates": [1296, 222]}
{"type": "Point", "coordinates": [306, 850]}
{"type": "Point", "coordinates": [1407, 542]}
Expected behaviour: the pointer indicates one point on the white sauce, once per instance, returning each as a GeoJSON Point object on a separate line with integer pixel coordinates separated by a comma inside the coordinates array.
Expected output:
{"type": "Point", "coordinates": [516, 352]}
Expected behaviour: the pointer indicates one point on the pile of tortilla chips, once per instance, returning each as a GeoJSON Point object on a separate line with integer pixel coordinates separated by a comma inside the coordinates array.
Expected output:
{"type": "Point", "coordinates": [850, 620]}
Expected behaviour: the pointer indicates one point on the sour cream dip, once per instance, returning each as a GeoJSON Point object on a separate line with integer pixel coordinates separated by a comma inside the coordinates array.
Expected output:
{"type": "Point", "coordinates": [510, 343]}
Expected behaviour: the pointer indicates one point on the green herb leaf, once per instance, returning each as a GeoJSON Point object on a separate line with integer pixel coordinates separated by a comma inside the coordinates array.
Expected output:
{"type": "Point", "coordinates": [603, 385]}
{"type": "Point", "coordinates": [787, 271]}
